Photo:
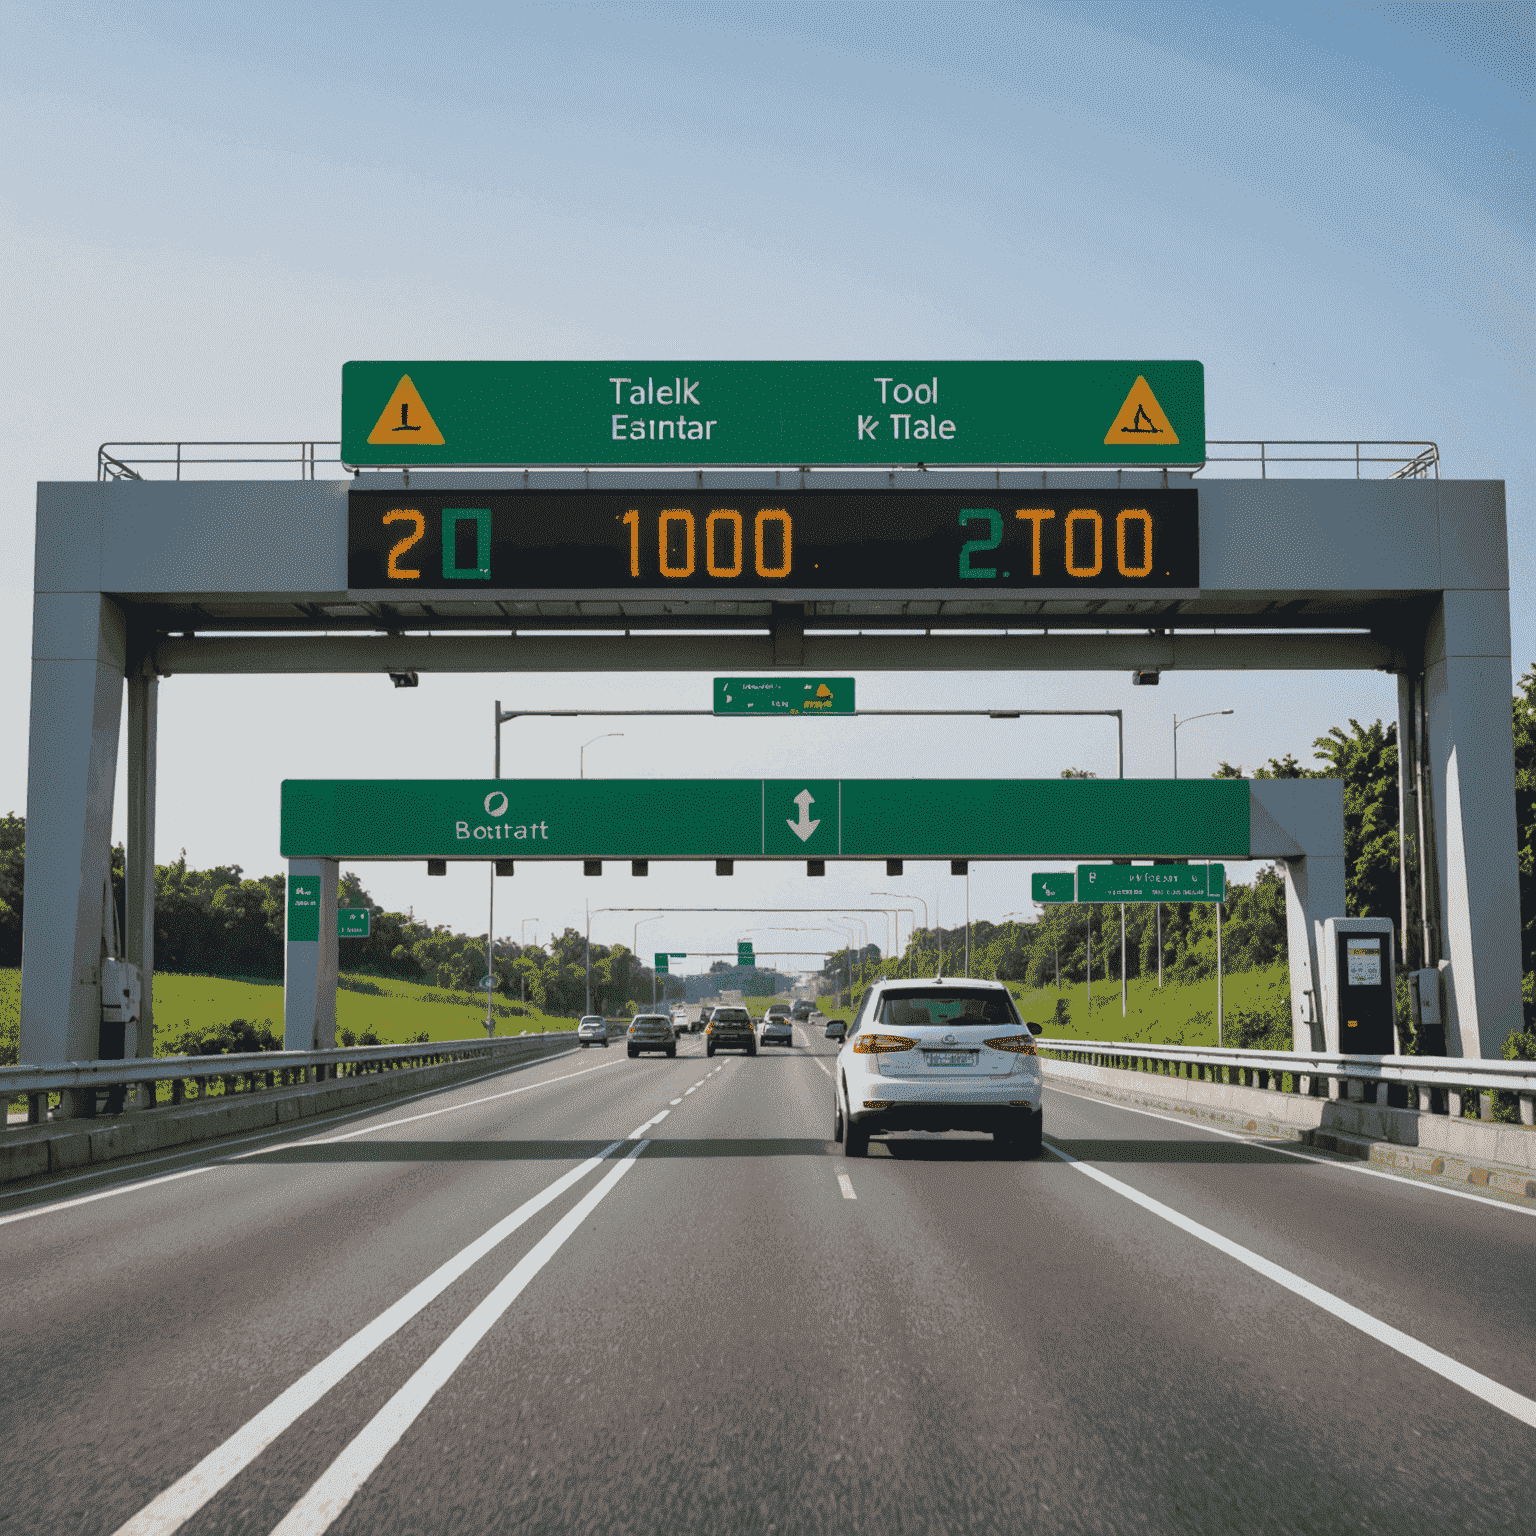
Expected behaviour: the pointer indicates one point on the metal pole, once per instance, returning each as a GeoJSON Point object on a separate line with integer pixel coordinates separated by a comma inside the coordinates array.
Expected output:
{"type": "Point", "coordinates": [1122, 959]}
{"type": "Point", "coordinates": [589, 959]}
{"type": "Point", "coordinates": [1175, 744]}
{"type": "Point", "coordinates": [1159, 946]}
{"type": "Point", "coordinates": [1057, 948]}
{"type": "Point", "coordinates": [496, 773]}
{"type": "Point", "coordinates": [1088, 969]}
{"type": "Point", "coordinates": [967, 922]}
{"type": "Point", "coordinates": [490, 953]}
{"type": "Point", "coordinates": [1220, 1021]}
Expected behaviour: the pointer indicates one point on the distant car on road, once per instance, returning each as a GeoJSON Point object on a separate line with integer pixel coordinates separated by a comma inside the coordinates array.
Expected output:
{"type": "Point", "coordinates": [651, 1032]}
{"type": "Point", "coordinates": [802, 1010]}
{"type": "Point", "coordinates": [593, 1030]}
{"type": "Point", "coordinates": [775, 1027]}
{"type": "Point", "coordinates": [938, 1056]}
{"type": "Point", "coordinates": [729, 1028]}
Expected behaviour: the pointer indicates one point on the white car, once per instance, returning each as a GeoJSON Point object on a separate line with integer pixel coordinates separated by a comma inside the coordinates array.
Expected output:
{"type": "Point", "coordinates": [938, 1056]}
{"type": "Point", "coordinates": [593, 1030]}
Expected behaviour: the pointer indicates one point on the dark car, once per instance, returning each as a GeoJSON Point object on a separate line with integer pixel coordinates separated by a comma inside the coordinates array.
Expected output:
{"type": "Point", "coordinates": [802, 1010]}
{"type": "Point", "coordinates": [729, 1028]}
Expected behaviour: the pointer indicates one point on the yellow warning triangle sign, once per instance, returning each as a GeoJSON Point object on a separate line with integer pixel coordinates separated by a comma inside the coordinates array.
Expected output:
{"type": "Point", "coordinates": [1140, 421]}
{"type": "Point", "coordinates": [406, 418]}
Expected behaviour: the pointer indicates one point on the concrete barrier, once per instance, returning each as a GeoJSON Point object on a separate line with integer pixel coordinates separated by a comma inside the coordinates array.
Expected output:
{"type": "Point", "coordinates": [29, 1150]}
{"type": "Point", "coordinates": [1479, 1153]}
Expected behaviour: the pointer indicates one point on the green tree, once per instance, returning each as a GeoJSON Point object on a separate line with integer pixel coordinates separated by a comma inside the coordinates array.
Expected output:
{"type": "Point", "coordinates": [1525, 831]}
{"type": "Point", "coordinates": [13, 861]}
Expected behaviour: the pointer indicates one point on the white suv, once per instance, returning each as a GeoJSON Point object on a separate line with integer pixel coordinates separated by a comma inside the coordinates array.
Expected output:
{"type": "Point", "coordinates": [938, 1056]}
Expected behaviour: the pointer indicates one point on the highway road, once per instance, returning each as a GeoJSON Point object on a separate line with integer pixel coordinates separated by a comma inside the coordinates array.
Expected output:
{"type": "Point", "coordinates": [605, 1295]}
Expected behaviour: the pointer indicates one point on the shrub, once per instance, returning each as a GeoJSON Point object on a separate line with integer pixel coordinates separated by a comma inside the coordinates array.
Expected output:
{"type": "Point", "coordinates": [233, 1038]}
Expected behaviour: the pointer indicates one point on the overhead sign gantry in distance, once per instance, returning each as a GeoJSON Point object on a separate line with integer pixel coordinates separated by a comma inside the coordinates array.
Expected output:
{"type": "Point", "coordinates": [1172, 883]}
{"type": "Point", "coordinates": [425, 413]}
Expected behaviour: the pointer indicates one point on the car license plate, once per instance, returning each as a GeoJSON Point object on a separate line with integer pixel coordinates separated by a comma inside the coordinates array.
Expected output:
{"type": "Point", "coordinates": [951, 1058]}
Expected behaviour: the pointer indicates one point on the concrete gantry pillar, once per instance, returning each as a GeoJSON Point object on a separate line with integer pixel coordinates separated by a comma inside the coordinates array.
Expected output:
{"type": "Point", "coordinates": [139, 866]}
{"type": "Point", "coordinates": [1467, 682]}
{"type": "Point", "coordinates": [79, 644]}
{"type": "Point", "coordinates": [310, 958]}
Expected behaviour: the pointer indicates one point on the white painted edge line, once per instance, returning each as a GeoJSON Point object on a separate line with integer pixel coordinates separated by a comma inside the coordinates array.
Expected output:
{"type": "Point", "coordinates": [332, 1491]}
{"type": "Point", "coordinates": [1496, 1395]}
{"type": "Point", "coordinates": [846, 1185]}
{"type": "Point", "coordinates": [1267, 1145]}
{"type": "Point", "coordinates": [222, 1161]}
{"type": "Point", "coordinates": [171, 1509]}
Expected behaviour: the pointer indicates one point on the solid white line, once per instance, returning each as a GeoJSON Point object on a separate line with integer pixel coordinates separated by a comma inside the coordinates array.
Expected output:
{"type": "Point", "coordinates": [1253, 1139]}
{"type": "Point", "coordinates": [640, 1130]}
{"type": "Point", "coordinates": [188, 1494]}
{"type": "Point", "coordinates": [334, 1116]}
{"type": "Point", "coordinates": [676, 1102]}
{"type": "Point", "coordinates": [847, 1186]}
{"type": "Point", "coordinates": [1491, 1392]}
{"type": "Point", "coordinates": [330, 1494]}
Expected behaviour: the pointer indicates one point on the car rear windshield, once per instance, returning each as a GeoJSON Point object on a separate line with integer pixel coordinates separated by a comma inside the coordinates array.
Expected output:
{"type": "Point", "coordinates": [653, 1018]}
{"type": "Point", "coordinates": [947, 1005]}
{"type": "Point", "coordinates": [732, 1016]}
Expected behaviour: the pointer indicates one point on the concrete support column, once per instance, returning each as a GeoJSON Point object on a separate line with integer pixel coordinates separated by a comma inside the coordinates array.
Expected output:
{"type": "Point", "coordinates": [139, 870]}
{"type": "Point", "coordinates": [79, 645]}
{"type": "Point", "coordinates": [1472, 763]}
{"type": "Point", "coordinates": [309, 964]}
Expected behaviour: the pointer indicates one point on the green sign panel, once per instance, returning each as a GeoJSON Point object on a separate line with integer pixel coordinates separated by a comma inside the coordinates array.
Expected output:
{"type": "Point", "coordinates": [352, 922]}
{"type": "Point", "coordinates": [661, 966]}
{"type": "Point", "coordinates": [776, 413]}
{"type": "Point", "coordinates": [744, 954]}
{"type": "Point", "coordinates": [1048, 888]}
{"type": "Point", "coordinates": [764, 696]}
{"type": "Point", "coordinates": [304, 909]}
{"type": "Point", "coordinates": [1156, 882]}
{"type": "Point", "coordinates": [1045, 819]}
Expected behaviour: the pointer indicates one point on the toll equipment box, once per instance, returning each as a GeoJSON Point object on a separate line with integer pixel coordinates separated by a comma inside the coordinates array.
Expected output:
{"type": "Point", "coordinates": [1355, 955]}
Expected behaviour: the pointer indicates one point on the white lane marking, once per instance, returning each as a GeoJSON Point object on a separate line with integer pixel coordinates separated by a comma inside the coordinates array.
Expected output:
{"type": "Point", "coordinates": [330, 1494]}
{"type": "Point", "coordinates": [676, 1102]}
{"type": "Point", "coordinates": [640, 1130]}
{"type": "Point", "coordinates": [846, 1184]}
{"type": "Point", "coordinates": [687, 1091]}
{"type": "Point", "coordinates": [278, 1130]}
{"type": "Point", "coordinates": [182, 1500]}
{"type": "Point", "coordinates": [1492, 1392]}
{"type": "Point", "coordinates": [1255, 1140]}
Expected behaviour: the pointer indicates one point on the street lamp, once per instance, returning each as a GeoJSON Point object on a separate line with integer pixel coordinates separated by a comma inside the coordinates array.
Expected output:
{"type": "Point", "coordinates": [911, 918]}
{"type": "Point", "coordinates": [634, 949]}
{"type": "Point", "coordinates": [523, 944]}
{"type": "Point", "coordinates": [1185, 721]}
{"type": "Point", "coordinates": [583, 759]}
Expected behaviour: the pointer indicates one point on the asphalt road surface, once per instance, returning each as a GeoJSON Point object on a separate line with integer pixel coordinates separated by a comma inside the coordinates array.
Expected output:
{"type": "Point", "coordinates": [619, 1296]}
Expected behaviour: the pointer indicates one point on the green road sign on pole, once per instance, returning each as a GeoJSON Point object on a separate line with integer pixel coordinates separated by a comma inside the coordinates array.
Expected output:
{"type": "Point", "coordinates": [536, 819]}
{"type": "Point", "coordinates": [303, 909]}
{"type": "Point", "coordinates": [352, 922]}
{"type": "Point", "coordinates": [764, 696]}
{"type": "Point", "coordinates": [1156, 882]}
{"type": "Point", "coordinates": [744, 955]}
{"type": "Point", "coordinates": [777, 413]}
{"type": "Point", "coordinates": [661, 967]}
{"type": "Point", "coordinates": [1056, 887]}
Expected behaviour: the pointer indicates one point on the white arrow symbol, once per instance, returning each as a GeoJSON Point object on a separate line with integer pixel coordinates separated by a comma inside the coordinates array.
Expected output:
{"type": "Point", "coordinates": [805, 826]}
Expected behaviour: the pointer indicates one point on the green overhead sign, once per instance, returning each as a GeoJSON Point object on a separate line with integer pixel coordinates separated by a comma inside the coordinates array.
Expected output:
{"type": "Point", "coordinates": [1055, 887]}
{"type": "Point", "coordinates": [744, 954]}
{"type": "Point", "coordinates": [1155, 882]}
{"type": "Point", "coordinates": [352, 922]}
{"type": "Point", "coordinates": [774, 413]}
{"type": "Point", "coordinates": [665, 956]}
{"type": "Point", "coordinates": [766, 696]}
{"type": "Point", "coordinates": [764, 818]}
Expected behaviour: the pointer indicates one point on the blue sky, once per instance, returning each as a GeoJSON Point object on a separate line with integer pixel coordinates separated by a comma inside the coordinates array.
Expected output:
{"type": "Point", "coordinates": [206, 212]}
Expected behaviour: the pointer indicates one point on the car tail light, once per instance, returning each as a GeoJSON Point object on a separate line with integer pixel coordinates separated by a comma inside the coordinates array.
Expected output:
{"type": "Point", "coordinates": [1020, 1045]}
{"type": "Point", "coordinates": [878, 1103]}
{"type": "Point", "coordinates": [878, 1045]}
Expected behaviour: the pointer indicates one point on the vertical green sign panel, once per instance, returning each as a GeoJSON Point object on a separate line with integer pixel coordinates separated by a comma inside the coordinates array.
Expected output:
{"type": "Point", "coordinates": [304, 909]}
{"type": "Point", "coordinates": [1057, 886]}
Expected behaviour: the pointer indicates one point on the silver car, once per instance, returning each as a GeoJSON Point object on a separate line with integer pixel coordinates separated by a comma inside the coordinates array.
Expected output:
{"type": "Point", "coordinates": [774, 1028]}
{"type": "Point", "coordinates": [651, 1032]}
{"type": "Point", "coordinates": [593, 1030]}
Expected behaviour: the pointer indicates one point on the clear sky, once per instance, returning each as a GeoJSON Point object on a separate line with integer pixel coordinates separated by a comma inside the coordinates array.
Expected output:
{"type": "Point", "coordinates": [207, 210]}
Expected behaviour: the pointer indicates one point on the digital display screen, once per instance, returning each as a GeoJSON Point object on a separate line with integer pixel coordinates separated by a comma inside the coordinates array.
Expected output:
{"type": "Point", "coordinates": [970, 542]}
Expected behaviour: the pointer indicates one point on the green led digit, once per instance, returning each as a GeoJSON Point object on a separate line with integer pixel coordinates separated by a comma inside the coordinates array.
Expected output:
{"type": "Point", "coordinates": [994, 521]}
{"type": "Point", "coordinates": [481, 569]}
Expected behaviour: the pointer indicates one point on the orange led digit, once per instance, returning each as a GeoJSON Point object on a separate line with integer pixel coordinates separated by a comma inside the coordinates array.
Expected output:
{"type": "Point", "coordinates": [1036, 516]}
{"type": "Point", "coordinates": [1084, 515]}
{"type": "Point", "coordinates": [632, 518]}
{"type": "Point", "coordinates": [404, 515]}
{"type": "Point", "coordinates": [720, 516]}
{"type": "Point", "coordinates": [1142, 516]}
{"type": "Point", "coordinates": [786, 523]}
{"type": "Point", "coordinates": [685, 517]}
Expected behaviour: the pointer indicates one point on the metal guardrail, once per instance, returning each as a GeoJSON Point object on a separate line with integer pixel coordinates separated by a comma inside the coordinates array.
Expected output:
{"type": "Point", "coordinates": [1409, 460]}
{"type": "Point", "coordinates": [280, 1068]}
{"type": "Point", "coordinates": [115, 461]}
{"type": "Point", "coordinates": [1453, 1075]}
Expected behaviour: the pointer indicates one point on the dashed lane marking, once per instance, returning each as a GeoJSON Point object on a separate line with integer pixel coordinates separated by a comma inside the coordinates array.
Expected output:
{"type": "Point", "coordinates": [676, 1102]}
{"type": "Point", "coordinates": [846, 1185]}
{"type": "Point", "coordinates": [1494, 1393]}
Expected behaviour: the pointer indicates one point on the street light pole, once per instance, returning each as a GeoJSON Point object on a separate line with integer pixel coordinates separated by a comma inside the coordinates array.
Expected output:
{"type": "Point", "coordinates": [1185, 721]}
{"type": "Point", "coordinates": [634, 949]}
{"type": "Point", "coordinates": [582, 769]}
{"type": "Point", "coordinates": [523, 944]}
